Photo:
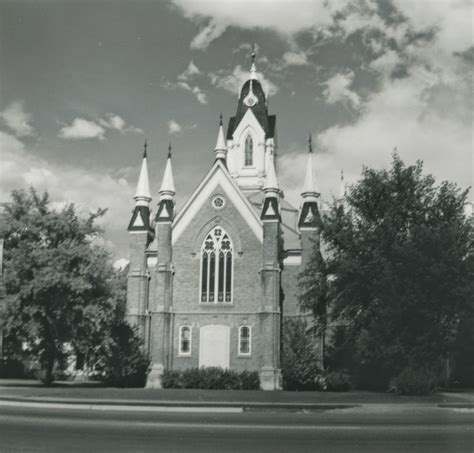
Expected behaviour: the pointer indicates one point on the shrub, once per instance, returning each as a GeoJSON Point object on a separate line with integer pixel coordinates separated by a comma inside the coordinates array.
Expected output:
{"type": "Point", "coordinates": [300, 358]}
{"type": "Point", "coordinates": [211, 378]}
{"type": "Point", "coordinates": [122, 361]}
{"type": "Point", "coordinates": [414, 381]}
{"type": "Point", "coordinates": [338, 381]}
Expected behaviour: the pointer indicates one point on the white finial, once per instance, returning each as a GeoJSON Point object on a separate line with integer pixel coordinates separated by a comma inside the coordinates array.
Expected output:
{"type": "Point", "coordinates": [270, 185]}
{"type": "Point", "coordinates": [309, 188]}
{"type": "Point", "coordinates": [221, 148]}
{"type": "Point", "coordinates": [167, 190]}
{"type": "Point", "coordinates": [253, 68]}
{"type": "Point", "coordinates": [142, 195]}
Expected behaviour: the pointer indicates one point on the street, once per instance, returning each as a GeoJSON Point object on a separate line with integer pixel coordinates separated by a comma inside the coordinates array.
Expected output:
{"type": "Point", "coordinates": [64, 430]}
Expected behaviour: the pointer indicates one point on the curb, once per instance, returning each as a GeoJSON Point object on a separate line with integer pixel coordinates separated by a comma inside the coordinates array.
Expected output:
{"type": "Point", "coordinates": [167, 406]}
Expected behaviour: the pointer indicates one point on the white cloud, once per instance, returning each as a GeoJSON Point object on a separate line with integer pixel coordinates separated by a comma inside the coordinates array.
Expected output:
{"type": "Point", "coordinates": [338, 90]}
{"type": "Point", "coordinates": [174, 127]}
{"type": "Point", "coordinates": [234, 80]}
{"type": "Point", "coordinates": [295, 58]}
{"type": "Point", "coordinates": [284, 16]}
{"type": "Point", "coordinates": [17, 119]}
{"type": "Point", "coordinates": [81, 129]}
{"type": "Point", "coordinates": [201, 97]}
{"type": "Point", "coordinates": [121, 263]}
{"type": "Point", "coordinates": [88, 188]}
{"type": "Point", "coordinates": [191, 71]}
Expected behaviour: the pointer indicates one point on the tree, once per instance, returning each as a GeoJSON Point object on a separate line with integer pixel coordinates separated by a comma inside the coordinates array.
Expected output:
{"type": "Point", "coordinates": [401, 255]}
{"type": "Point", "coordinates": [58, 279]}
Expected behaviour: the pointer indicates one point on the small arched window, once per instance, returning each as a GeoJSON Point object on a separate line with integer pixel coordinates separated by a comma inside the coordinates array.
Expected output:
{"type": "Point", "coordinates": [216, 267]}
{"type": "Point", "coordinates": [245, 340]}
{"type": "Point", "coordinates": [248, 151]}
{"type": "Point", "coordinates": [185, 340]}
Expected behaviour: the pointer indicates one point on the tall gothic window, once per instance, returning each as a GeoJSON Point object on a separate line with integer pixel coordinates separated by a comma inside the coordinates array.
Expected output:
{"type": "Point", "coordinates": [216, 267]}
{"type": "Point", "coordinates": [248, 151]}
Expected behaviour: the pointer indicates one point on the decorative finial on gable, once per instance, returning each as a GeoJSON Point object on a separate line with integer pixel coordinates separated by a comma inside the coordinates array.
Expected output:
{"type": "Point", "coordinates": [253, 68]}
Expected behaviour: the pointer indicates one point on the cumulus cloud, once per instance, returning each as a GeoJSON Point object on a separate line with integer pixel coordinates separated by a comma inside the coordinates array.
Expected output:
{"type": "Point", "coordinates": [338, 90]}
{"type": "Point", "coordinates": [88, 188]}
{"type": "Point", "coordinates": [81, 128]}
{"type": "Point", "coordinates": [174, 127]}
{"type": "Point", "coordinates": [17, 119]}
{"type": "Point", "coordinates": [233, 81]}
{"type": "Point", "coordinates": [191, 71]}
{"type": "Point", "coordinates": [280, 15]}
{"type": "Point", "coordinates": [201, 97]}
{"type": "Point", "coordinates": [295, 58]}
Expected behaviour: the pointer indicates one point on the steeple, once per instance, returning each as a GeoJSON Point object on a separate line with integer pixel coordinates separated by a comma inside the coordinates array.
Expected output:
{"type": "Point", "coordinates": [310, 190]}
{"type": "Point", "coordinates": [142, 196]}
{"type": "Point", "coordinates": [271, 209]}
{"type": "Point", "coordinates": [221, 147]}
{"type": "Point", "coordinates": [140, 220]}
{"type": "Point", "coordinates": [167, 191]}
{"type": "Point", "coordinates": [309, 215]}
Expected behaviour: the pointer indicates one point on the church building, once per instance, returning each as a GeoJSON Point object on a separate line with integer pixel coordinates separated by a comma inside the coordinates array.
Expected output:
{"type": "Point", "coordinates": [210, 284]}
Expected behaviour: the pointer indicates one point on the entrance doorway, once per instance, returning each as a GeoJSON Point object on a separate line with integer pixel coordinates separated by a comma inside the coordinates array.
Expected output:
{"type": "Point", "coordinates": [214, 341]}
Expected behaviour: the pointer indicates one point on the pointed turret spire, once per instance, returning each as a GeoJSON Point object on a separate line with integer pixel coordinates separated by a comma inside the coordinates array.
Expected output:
{"type": "Point", "coordinates": [309, 188]}
{"type": "Point", "coordinates": [142, 195]}
{"type": "Point", "coordinates": [253, 68]}
{"type": "Point", "coordinates": [221, 147]}
{"type": "Point", "coordinates": [270, 185]}
{"type": "Point", "coordinates": [167, 190]}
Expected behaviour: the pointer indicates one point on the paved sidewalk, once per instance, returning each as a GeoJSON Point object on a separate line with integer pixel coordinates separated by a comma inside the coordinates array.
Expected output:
{"type": "Point", "coordinates": [91, 393]}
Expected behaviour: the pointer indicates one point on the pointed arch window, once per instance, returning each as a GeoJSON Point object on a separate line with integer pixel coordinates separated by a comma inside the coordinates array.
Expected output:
{"type": "Point", "coordinates": [248, 151]}
{"type": "Point", "coordinates": [216, 267]}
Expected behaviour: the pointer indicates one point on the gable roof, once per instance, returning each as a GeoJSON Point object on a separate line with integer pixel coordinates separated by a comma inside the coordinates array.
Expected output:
{"type": "Point", "coordinates": [217, 176]}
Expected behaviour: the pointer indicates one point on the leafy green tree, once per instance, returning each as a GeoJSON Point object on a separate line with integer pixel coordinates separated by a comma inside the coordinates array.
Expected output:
{"type": "Point", "coordinates": [401, 256]}
{"type": "Point", "coordinates": [58, 279]}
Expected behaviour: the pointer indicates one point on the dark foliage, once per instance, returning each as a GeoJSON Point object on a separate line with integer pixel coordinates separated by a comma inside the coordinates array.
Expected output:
{"type": "Point", "coordinates": [401, 262]}
{"type": "Point", "coordinates": [211, 378]}
{"type": "Point", "coordinates": [414, 381]}
{"type": "Point", "coordinates": [300, 357]}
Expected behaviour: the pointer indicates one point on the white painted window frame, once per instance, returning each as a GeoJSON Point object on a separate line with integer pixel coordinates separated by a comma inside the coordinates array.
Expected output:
{"type": "Point", "coordinates": [180, 349]}
{"type": "Point", "coordinates": [240, 353]}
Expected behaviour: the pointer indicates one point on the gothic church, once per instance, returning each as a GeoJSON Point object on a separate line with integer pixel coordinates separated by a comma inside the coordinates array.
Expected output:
{"type": "Point", "coordinates": [209, 285]}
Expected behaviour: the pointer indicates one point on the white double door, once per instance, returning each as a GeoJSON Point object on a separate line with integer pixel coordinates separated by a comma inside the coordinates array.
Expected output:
{"type": "Point", "coordinates": [214, 342]}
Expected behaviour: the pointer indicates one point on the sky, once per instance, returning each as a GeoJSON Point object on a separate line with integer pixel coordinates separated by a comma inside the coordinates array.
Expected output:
{"type": "Point", "coordinates": [84, 83]}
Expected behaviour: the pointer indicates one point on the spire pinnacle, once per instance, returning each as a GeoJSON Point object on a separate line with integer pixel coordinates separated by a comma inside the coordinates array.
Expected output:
{"type": "Point", "coordinates": [167, 189]}
{"type": "Point", "coordinates": [253, 68]}
{"type": "Point", "coordinates": [142, 195]}
{"type": "Point", "coordinates": [145, 147]}
{"type": "Point", "coordinates": [270, 185]}
{"type": "Point", "coordinates": [221, 147]}
{"type": "Point", "coordinates": [309, 188]}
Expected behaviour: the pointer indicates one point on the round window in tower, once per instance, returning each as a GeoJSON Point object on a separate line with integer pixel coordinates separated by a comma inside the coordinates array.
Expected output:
{"type": "Point", "coordinates": [218, 202]}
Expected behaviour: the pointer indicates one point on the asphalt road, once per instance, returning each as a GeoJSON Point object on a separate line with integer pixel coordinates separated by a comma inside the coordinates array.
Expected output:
{"type": "Point", "coordinates": [59, 430]}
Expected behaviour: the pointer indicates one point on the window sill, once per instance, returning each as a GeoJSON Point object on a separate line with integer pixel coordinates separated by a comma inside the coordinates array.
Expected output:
{"type": "Point", "coordinates": [244, 356]}
{"type": "Point", "coordinates": [216, 304]}
{"type": "Point", "coordinates": [184, 355]}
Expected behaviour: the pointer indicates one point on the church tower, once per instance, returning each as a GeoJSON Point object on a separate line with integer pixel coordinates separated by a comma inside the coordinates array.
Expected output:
{"type": "Point", "coordinates": [251, 135]}
{"type": "Point", "coordinates": [309, 222]}
{"type": "Point", "coordinates": [140, 234]}
{"type": "Point", "coordinates": [161, 308]}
